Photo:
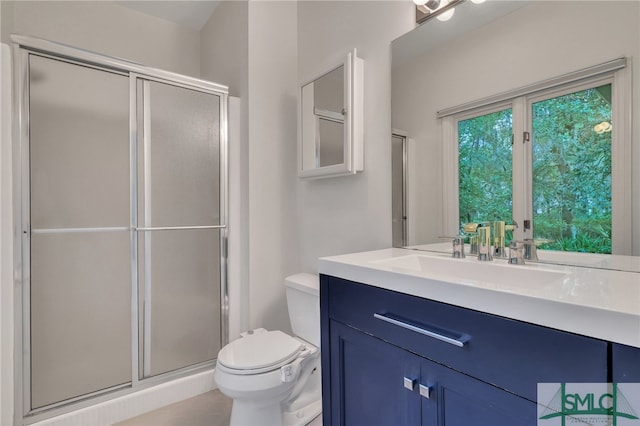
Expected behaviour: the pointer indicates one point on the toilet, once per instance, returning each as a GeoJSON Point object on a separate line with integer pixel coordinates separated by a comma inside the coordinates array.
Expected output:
{"type": "Point", "coordinates": [274, 378]}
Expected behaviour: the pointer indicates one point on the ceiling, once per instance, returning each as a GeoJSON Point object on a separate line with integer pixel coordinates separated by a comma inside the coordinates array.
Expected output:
{"type": "Point", "coordinates": [188, 13]}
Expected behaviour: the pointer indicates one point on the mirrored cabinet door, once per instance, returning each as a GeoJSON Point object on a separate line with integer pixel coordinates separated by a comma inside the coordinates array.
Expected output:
{"type": "Point", "coordinates": [331, 122]}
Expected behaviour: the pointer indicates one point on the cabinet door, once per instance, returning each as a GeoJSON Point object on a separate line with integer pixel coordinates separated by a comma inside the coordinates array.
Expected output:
{"type": "Point", "coordinates": [461, 400]}
{"type": "Point", "coordinates": [367, 385]}
{"type": "Point", "coordinates": [626, 364]}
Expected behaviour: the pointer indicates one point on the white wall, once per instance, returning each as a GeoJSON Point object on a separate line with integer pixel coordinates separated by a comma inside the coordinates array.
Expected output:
{"type": "Point", "coordinates": [273, 250]}
{"type": "Point", "coordinates": [350, 213]}
{"type": "Point", "coordinates": [224, 52]}
{"type": "Point", "coordinates": [110, 29]}
{"type": "Point", "coordinates": [293, 222]}
{"type": "Point", "coordinates": [512, 52]}
{"type": "Point", "coordinates": [251, 47]}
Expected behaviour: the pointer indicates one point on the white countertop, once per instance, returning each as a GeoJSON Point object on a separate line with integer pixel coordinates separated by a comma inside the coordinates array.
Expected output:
{"type": "Point", "coordinates": [599, 303]}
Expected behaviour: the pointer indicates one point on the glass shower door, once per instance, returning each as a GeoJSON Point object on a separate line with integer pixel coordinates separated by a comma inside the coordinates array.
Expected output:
{"type": "Point", "coordinates": [179, 226]}
{"type": "Point", "coordinates": [122, 177]}
{"type": "Point", "coordinates": [78, 316]}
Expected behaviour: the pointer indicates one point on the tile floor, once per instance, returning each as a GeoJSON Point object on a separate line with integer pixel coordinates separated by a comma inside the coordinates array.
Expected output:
{"type": "Point", "coordinates": [209, 409]}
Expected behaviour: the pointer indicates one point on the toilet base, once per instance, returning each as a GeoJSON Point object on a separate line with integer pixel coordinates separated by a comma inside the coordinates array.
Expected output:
{"type": "Point", "coordinates": [247, 414]}
{"type": "Point", "coordinates": [302, 416]}
{"type": "Point", "coordinates": [300, 411]}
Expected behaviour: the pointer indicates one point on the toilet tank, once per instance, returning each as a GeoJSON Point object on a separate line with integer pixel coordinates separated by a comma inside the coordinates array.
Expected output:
{"type": "Point", "coordinates": [303, 302]}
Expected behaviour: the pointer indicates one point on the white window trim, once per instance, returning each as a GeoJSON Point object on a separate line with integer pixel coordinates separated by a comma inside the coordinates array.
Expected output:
{"type": "Point", "coordinates": [616, 72]}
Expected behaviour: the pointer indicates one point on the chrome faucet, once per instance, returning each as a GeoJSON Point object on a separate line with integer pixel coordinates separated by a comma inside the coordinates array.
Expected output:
{"type": "Point", "coordinates": [530, 251]}
{"type": "Point", "coordinates": [458, 247]}
{"type": "Point", "coordinates": [516, 252]}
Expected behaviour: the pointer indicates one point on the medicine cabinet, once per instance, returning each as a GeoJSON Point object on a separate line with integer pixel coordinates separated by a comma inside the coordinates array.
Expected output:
{"type": "Point", "coordinates": [331, 122]}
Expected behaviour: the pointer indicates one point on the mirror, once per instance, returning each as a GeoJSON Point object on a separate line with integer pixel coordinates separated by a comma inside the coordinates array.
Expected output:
{"type": "Point", "coordinates": [331, 122]}
{"type": "Point", "coordinates": [483, 51]}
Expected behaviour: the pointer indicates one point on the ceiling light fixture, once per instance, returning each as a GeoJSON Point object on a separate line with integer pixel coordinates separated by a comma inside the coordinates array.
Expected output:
{"type": "Point", "coordinates": [442, 9]}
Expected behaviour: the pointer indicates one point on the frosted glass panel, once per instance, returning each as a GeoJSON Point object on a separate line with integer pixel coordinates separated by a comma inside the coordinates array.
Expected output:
{"type": "Point", "coordinates": [180, 281]}
{"type": "Point", "coordinates": [79, 146]}
{"type": "Point", "coordinates": [181, 151]}
{"type": "Point", "coordinates": [80, 314]}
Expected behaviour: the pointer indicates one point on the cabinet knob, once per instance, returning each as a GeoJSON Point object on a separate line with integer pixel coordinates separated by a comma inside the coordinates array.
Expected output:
{"type": "Point", "coordinates": [425, 391]}
{"type": "Point", "coordinates": [409, 383]}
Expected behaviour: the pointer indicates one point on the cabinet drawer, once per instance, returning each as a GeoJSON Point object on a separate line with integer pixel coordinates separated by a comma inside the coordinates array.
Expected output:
{"type": "Point", "coordinates": [507, 353]}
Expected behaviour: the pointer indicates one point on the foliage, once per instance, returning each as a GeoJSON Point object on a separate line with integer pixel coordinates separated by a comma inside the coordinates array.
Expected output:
{"type": "Point", "coordinates": [571, 170]}
{"type": "Point", "coordinates": [485, 167]}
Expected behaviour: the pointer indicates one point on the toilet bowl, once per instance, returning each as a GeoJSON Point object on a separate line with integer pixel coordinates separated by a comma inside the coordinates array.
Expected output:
{"type": "Point", "coordinates": [274, 378]}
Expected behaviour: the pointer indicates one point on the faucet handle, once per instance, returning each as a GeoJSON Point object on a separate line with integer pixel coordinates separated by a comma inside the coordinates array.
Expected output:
{"type": "Point", "coordinates": [516, 252]}
{"type": "Point", "coordinates": [457, 245]}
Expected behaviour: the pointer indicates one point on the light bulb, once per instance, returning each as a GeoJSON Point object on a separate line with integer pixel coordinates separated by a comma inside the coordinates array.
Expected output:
{"type": "Point", "coordinates": [446, 15]}
{"type": "Point", "coordinates": [477, 1]}
{"type": "Point", "coordinates": [420, 2]}
{"type": "Point", "coordinates": [603, 127]}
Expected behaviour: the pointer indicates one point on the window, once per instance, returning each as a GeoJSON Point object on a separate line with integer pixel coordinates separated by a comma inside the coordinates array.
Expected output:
{"type": "Point", "coordinates": [543, 158]}
{"type": "Point", "coordinates": [485, 167]}
{"type": "Point", "coordinates": [571, 162]}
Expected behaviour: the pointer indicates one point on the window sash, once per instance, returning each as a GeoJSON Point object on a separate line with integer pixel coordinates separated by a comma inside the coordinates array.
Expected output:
{"type": "Point", "coordinates": [615, 73]}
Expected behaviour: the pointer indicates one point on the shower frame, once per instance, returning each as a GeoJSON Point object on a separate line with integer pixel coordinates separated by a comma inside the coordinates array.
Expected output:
{"type": "Point", "coordinates": [24, 46]}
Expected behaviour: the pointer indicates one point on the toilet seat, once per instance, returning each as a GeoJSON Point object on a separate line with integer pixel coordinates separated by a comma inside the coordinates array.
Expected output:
{"type": "Point", "coordinates": [260, 352]}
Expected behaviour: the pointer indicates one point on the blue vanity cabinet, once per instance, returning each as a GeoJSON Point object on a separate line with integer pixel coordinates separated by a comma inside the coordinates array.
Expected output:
{"type": "Point", "coordinates": [625, 364]}
{"type": "Point", "coordinates": [376, 383]}
{"type": "Point", "coordinates": [480, 369]}
{"type": "Point", "coordinates": [367, 381]}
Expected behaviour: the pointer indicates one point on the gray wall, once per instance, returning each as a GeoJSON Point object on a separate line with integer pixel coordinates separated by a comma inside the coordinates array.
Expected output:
{"type": "Point", "coordinates": [106, 28]}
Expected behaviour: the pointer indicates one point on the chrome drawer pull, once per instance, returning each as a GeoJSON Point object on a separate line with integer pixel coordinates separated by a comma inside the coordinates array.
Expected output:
{"type": "Point", "coordinates": [409, 383]}
{"type": "Point", "coordinates": [425, 391]}
{"type": "Point", "coordinates": [460, 341]}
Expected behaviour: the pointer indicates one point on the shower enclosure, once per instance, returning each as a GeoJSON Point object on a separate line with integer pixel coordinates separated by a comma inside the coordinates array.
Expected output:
{"type": "Point", "coordinates": [121, 171]}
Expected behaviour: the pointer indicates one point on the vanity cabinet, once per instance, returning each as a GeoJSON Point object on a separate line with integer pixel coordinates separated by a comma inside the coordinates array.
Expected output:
{"type": "Point", "coordinates": [381, 349]}
{"type": "Point", "coordinates": [377, 383]}
{"type": "Point", "coordinates": [625, 364]}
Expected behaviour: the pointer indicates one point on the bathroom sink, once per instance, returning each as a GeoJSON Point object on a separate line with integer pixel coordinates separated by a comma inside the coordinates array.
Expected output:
{"type": "Point", "coordinates": [469, 270]}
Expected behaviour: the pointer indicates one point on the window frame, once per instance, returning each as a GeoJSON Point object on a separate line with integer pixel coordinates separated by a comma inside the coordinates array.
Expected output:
{"type": "Point", "coordinates": [616, 73]}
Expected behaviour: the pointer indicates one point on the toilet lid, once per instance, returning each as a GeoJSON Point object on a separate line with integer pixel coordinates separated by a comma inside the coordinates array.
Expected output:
{"type": "Point", "coordinates": [260, 350]}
